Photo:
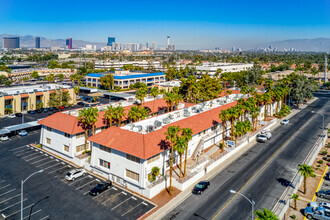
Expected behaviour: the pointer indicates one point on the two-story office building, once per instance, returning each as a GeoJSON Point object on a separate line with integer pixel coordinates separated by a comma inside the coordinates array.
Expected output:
{"type": "Point", "coordinates": [124, 79]}
{"type": "Point", "coordinates": [25, 98]}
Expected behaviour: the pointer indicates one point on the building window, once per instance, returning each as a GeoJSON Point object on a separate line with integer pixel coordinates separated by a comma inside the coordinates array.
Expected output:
{"type": "Point", "coordinates": [132, 158]}
{"type": "Point", "coordinates": [80, 148]}
{"type": "Point", "coordinates": [106, 149]}
{"type": "Point", "coordinates": [80, 135]}
{"type": "Point", "coordinates": [154, 158]}
{"type": "Point", "coordinates": [105, 164]}
{"type": "Point", "coordinates": [49, 129]}
{"type": "Point", "coordinates": [132, 175]}
{"type": "Point", "coordinates": [67, 135]}
{"type": "Point", "coordinates": [66, 148]}
{"type": "Point", "coordinates": [48, 141]}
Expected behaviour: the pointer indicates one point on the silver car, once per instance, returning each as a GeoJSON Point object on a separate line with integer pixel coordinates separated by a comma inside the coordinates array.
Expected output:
{"type": "Point", "coordinates": [285, 122]}
{"type": "Point", "coordinates": [74, 174]}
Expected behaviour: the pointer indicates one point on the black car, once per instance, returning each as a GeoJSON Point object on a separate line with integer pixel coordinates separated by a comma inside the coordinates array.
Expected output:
{"type": "Point", "coordinates": [45, 110]}
{"type": "Point", "coordinates": [18, 114]}
{"type": "Point", "coordinates": [100, 187]}
{"type": "Point", "coordinates": [51, 109]}
{"type": "Point", "coordinates": [200, 187]}
{"type": "Point", "coordinates": [39, 110]}
{"type": "Point", "coordinates": [80, 103]}
{"type": "Point", "coordinates": [31, 112]}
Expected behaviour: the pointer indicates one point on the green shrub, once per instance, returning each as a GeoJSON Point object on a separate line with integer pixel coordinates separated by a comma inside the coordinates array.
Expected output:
{"type": "Point", "coordinates": [320, 161]}
{"type": "Point", "coordinates": [293, 216]}
{"type": "Point", "coordinates": [39, 146]}
{"type": "Point", "coordinates": [85, 152]}
{"type": "Point", "coordinates": [318, 165]}
{"type": "Point", "coordinates": [316, 168]}
{"type": "Point", "coordinates": [328, 145]}
{"type": "Point", "coordinates": [285, 110]}
{"type": "Point", "coordinates": [324, 152]}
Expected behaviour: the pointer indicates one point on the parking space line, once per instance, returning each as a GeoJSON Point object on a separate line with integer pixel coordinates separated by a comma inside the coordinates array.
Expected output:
{"type": "Point", "coordinates": [4, 186]}
{"type": "Point", "coordinates": [19, 151]}
{"type": "Point", "coordinates": [134, 198]}
{"type": "Point", "coordinates": [77, 180]}
{"type": "Point", "coordinates": [10, 198]}
{"type": "Point", "coordinates": [51, 161]}
{"type": "Point", "coordinates": [45, 217]}
{"type": "Point", "coordinates": [7, 192]}
{"type": "Point", "coordinates": [57, 170]}
{"type": "Point", "coordinates": [85, 193]}
{"type": "Point", "coordinates": [114, 188]}
{"type": "Point", "coordinates": [131, 209]}
{"type": "Point", "coordinates": [28, 152]}
{"type": "Point", "coordinates": [19, 210]}
{"type": "Point", "coordinates": [2, 181]}
{"type": "Point", "coordinates": [29, 215]}
{"type": "Point", "coordinates": [51, 166]}
{"type": "Point", "coordinates": [84, 185]}
{"type": "Point", "coordinates": [39, 160]}
{"type": "Point", "coordinates": [124, 193]}
{"type": "Point", "coordinates": [121, 203]}
{"type": "Point", "coordinates": [17, 148]}
{"type": "Point", "coordinates": [12, 205]}
{"type": "Point", "coordinates": [32, 153]}
{"type": "Point", "coordinates": [144, 203]}
{"type": "Point", "coordinates": [33, 158]}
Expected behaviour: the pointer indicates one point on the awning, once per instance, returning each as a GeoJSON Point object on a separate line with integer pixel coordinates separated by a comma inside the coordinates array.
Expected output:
{"type": "Point", "coordinates": [9, 97]}
{"type": "Point", "coordinates": [24, 95]}
{"type": "Point", "coordinates": [4, 131]}
{"type": "Point", "coordinates": [22, 126]}
{"type": "Point", "coordinates": [96, 94]}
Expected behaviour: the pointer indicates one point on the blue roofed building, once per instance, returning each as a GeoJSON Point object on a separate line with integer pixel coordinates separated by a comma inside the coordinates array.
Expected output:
{"type": "Point", "coordinates": [124, 78]}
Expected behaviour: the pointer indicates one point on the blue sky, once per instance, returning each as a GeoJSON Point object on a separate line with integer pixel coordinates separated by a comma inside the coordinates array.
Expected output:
{"type": "Point", "coordinates": [191, 24]}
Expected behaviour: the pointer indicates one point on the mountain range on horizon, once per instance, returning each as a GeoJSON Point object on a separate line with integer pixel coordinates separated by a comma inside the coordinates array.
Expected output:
{"type": "Point", "coordinates": [307, 45]}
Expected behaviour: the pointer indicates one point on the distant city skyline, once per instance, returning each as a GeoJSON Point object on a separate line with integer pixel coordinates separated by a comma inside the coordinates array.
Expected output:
{"type": "Point", "coordinates": [191, 25]}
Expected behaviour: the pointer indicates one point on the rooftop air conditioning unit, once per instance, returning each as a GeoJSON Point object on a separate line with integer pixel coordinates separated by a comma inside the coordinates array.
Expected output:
{"type": "Point", "coordinates": [157, 124]}
{"type": "Point", "coordinates": [138, 128]}
{"type": "Point", "coordinates": [166, 120]}
{"type": "Point", "coordinates": [186, 113]}
{"type": "Point", "coordinates": [130, 126]}
{"type": "Point", "coordinates": [171, 116]}
{"type": "Point", "coordinates": [150, 128]}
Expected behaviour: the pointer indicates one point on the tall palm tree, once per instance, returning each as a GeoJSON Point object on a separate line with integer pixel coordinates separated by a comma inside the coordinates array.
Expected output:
{"type": "Point", "coordinates": [295, 198]}
{"type": "Point", "coordinates": [265, 215]}
{"type": "Point", "coordinates": [141, 94]}
{"type": "Point", "coordinates": [244, 90]}
{"type": "Point", "coordinates": [154, 92]}
{"type": "Point", "coordinates": [87, 119]}
{"type": "Point", "coordinates": [172, 134]}
{"type": "Point", "coordinates": [169, 98]}
{"type": "Point", "coordinates": [133, 113]}
{"type": "Point", "coordinates": [278, 94]}
{"type": "Point", "coordinates": [73, 78]}
{"type": "Point", "coordinates": [267, 100]}
{"type": "Point", "coordinates": [187, 135]}
{"type": "Point", "coordinates": [109, 114]}
{"type": "Point", "coordinates": [119, 113]}
{"type": "Point", "coordinates": [240, 112]}
{"type": "Point", "coordinates": [306, 171]}
{"type": "Point", "coordinates": [180, 147]}
{"type": "Point", "coordinates": [76, 91]}
{"type": "Point", "coordinates": [224, 116]}
{"type": "Point", "coordinates": [232, 117]}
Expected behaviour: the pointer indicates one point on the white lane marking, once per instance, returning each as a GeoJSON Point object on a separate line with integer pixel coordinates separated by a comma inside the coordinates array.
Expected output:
{"type": "Point", "coordinates": [17, 148]}
{"type": "Point", "coordinates": [124, 193]}
{"type": "Point", "coordinates": [114, 188]}
{"type": "Point", "coordinates": [26, 153]}
{"type": "Point", "coordinates": [98, 180]}
{"type": "Point", "coordinates": [45, 217]}
{"type": "Point", "coordinates": [131, 209]}
{"type": "Point", "coordinates": [10, 198]}
{"type": "Point", "coordinates": [144, 203]}
{"type": "Point", "coordinates": [51, 166]}
{"type": "Point", "coordinates": [4, 186]}
{"type": "Point", "coordinates": [51, 161]}
{"type": "Point", "coordinates": [7, 192]}
{"type": "Point", "coordinates": [28, 216]}
{"type": "Point", "coordinates": [12, 205]}
{"type": "Point", "coordinates": [134, 198]}
{"type": "Point", "coordinates": [121, 203]}
{"type": "Point", "coordinates": [86, 192]}
{"type": "Point", "coordinates": [32, 153]}
{"type": "Point", "coordinates": [57, 170]}
{"type": "Point", "coordinates": [19, 211]}
{"type": "Point", "coordinates": [33, 158]}
{"type": "Point", "coordinates": [39, 160]}
{"type": "Point", "coordinates": [77, 180]}
{"type": "Point", "coordinates": [36, 150]}
{"type": "Point", "coordinates": [85, 184]}
{"type": "Point", "coordinates": [2, 181]}
{"type": "Point", "coordinates": [41, 152]}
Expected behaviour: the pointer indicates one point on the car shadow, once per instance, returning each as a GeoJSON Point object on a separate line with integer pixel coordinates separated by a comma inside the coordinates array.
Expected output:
{"type": "Point", "coordinates": [285, 182]}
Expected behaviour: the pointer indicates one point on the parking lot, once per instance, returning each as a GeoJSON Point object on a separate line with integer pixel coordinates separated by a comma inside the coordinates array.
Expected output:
{"type": "Point", "coordinates": [48, 195]}
{"type": "Point", "coordinates": [325, 186]}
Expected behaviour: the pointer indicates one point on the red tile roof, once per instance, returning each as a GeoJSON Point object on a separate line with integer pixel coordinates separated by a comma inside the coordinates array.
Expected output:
{"type": "Point", "coordinates": [147, 145]}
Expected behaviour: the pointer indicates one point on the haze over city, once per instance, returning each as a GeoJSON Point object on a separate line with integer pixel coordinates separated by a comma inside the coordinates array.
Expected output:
{"type": "Point", "coordinates": [191, 25]}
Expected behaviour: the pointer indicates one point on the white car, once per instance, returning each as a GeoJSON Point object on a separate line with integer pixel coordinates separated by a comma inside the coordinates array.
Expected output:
{"type": "Point", "coordinates": [321, 204]}
{"type": "Point", "coordinates": [4, 138]}
{"type": "Point", "coordinates": [285, 122]}
{"type": "Point", "coordinates": [12, 116]}
{"type": "Point", "coordinates": [267, 133]}
{"type": "Point", "coordinates": [262, 138]}
{"type": "Point", "coordinates": [74, 174]}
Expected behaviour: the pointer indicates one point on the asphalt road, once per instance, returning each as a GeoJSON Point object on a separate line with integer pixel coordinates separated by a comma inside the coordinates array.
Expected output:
{"type": "Point", "coordinates": [49, 196]}
{"type": "Point", "coordinates": [258, 179]}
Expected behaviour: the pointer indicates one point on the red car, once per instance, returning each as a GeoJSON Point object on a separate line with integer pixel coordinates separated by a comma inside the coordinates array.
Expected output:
{"type": "Point", "coordinates": [62, 107]}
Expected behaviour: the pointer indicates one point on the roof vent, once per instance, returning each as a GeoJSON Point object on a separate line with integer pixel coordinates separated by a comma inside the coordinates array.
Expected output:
{"type": "Point", "coordinates": [137, 128]}
{"type": "Point", "coordinates": [157, 123]}
{"type": "Point", "coordinates": [186, 113]}
{"type": "Point", "coordinates": [171, 116]}
{"type": "Point", "coordinates": [150, 128]}
{"type": "Point", "coordinates": [130, 126]}
{"type": "Point", "coordinates": [166, 120]}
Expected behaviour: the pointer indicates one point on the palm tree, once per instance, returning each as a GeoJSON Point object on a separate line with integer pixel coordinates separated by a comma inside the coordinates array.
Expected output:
{"type": "Point", "coordinates": [295, 198]}
{"type": "Point", "coordinates": [239, 109]}
{"type": "Point", "coordinates": [76, 91]}
{"type": "Point", "coordinates": [176, 99]}
{"type": "Point", "coordinates": [267, 100]}
{"type": "Point", "coordinates": [232, 117]}
{"type": "Point", "coordinates": [119, 113]}
{"type": "Point", "coordinates": [187, 135]}
{"type": "Point", "coordinates": [141, 94]}
{"type": "Point", "coordinates": [172, 134]}
{"type": "Point", "coordinates": [244, 90]}
{"type": "Point", "coordinates": [180, 147]}
{"type": "Point", "coordinates": [306, 171]}
{"type": "Point", "coordinates": [109, 114]}
{"type": "Point", "coordinates": [133, 113]}
{"type": "Point", "coordinates": [278, 94]}
{"type": "Point", "coordinates": [73, 78]}
{"type": "Point", "coordinates": [224, 116]}
{"type": "Point", "coordinates": [265, 215]}
{"type": "Point", "coordinates": [254, 113]}
{"type": "Point", "coordinates": [169, 98]}
{"type": "Point", "coordinates": [154, 93]}
{"type": "Point", "coordinates": [87, 118]}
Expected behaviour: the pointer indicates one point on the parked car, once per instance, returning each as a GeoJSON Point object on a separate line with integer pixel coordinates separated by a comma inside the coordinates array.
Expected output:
{"type": "Point", "coordinates": [4, 138]}
{"type": "Point", "coordinates": [62, 107]}
{"type": "Point", "coordinates": [317, 213]}
{"type": "Point", "coordinates": [45, 109]}
{"type": "Point", "coordinates": [285, 122]}
{"type": "Point", "coordinates": [80, 103]}
{"type": "Point", "coordinates": [319, 204]}
{"type": "Point", "coordinates": [74, 174]}
{"type": "Point", "coordinates": [22, 133]}
{"type": "Point", "coordinates": [100, 187]}
{"type": "Point", "coordinates": [267, 133]}
{"type": "Point", "coordinates": [262, 138]}
{"type": "Point", "coordinates": [11, 116]}
{"type": "Point", "coordinates": [39, 110]}
{"type": "Point", "coordinates": [18, 114]}
{"type": "Point", "coordinates": [51, 109]}
{"type": "Point", "coordinates": [201, 187]}
{"type": "Point", "coordinates": [31, 112]}
{"type": "Point", "coordinates": [323, 194]}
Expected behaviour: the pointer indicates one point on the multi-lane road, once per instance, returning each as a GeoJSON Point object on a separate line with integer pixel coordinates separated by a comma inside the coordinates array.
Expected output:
{"type": "Point", "coordinates": [261, 172]}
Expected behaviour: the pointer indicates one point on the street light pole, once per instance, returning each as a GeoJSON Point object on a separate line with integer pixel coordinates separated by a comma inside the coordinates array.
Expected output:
{"type": "Point", "coordinates": [250, 201]}
{"type": "Point", "coordinates": [22, 182]}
